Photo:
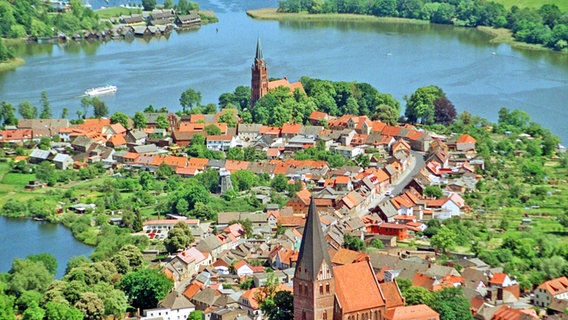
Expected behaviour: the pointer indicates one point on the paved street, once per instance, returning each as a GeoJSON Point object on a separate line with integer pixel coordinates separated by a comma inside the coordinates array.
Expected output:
{"type": "Point", "coordinates": [415, 166]}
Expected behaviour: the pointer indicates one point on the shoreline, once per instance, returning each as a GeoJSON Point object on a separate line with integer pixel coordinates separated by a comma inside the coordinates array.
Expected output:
{"type": "Point", "coordinates": [12, 64]}
{"type": "Point", "coordinates": [500, 35]}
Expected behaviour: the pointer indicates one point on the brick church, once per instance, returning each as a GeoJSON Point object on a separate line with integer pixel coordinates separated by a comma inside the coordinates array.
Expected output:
{"type": "Point", "coordinates": [347, 292]}
{"type": "Point", "coordinates": [260, 84]}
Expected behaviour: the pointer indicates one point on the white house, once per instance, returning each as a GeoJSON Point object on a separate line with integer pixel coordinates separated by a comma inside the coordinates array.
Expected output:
{"type": "Point", "coordinates": [551, 289]}
{"type": "Point", "coordinates": [62, 161]}
{"type": "Point", "coordinates": [349, 152]}
{"type": "Point", "coordinates": [242, 269]}
{"type": "Point", "coordinates": [223, 142]}
{"type": "Point", "coordinates": [174, 306]}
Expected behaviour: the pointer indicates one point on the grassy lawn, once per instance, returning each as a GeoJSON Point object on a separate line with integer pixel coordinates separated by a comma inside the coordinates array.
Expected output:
{"type": "Point", "coordinates": [116, 12]}
{"type": "Point", "coordinates": [272, 14]}
{"type": "Point", "coordinates": [17, 179]}
{"type": "Point", "coordinates": [562, 4]}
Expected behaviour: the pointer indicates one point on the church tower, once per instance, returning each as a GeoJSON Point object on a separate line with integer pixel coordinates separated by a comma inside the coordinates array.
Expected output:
{"type": "Point", "coordinates": [259, 81]}
{"type": "Point", "coordinates": [314, 286]}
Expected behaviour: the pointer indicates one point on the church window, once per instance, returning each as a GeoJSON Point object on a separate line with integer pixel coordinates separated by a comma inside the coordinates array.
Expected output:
{"type": "Point", "coordinates": [321, 288]}
{"type": "Point", "coordinates": [325, 315]}
{"type": "Point", "coordinates": [303, 315]}
{"type": "Point", "coordinates": [327, 288]}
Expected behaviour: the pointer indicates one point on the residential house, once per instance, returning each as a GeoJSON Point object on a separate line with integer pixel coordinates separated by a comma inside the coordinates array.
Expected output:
{"type": "Point", "coordinates": [223, 142]}
{"type": "Point", "coordinates": [242, 269]}
{"type": "Point", "coordinates": [174, 306]}
{"type": "Point", "coordinates": [549, 290]}
{"type": "Point", "coordinates": [38, 156]}
{"type": "Point", "coordinates": [82, 143]}
{"type": "Point", "coordinates": [391, 229]}
{"type": "Point", "coordinates": [63, 161]}
{"type": "Point", "coordinates": [248, 132]}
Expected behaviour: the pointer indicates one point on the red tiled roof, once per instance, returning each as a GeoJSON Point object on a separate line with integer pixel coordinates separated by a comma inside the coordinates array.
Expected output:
{"type": "Point", "coordinates": [356, 287]}
{"type": "Point", "coordinates": [417, 312]}
{"type": "Point", "coordinates": [289, 128]}
{"type": "Point", "coordinates": [466, 138]}
{"type": "Point", "coordinates": [393, 297]}
{"type": "Point", "coordinates": [318, 116]}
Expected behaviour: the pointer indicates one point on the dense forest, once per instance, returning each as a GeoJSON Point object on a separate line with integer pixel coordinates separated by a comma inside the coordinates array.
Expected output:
{"type": "Point", "coordinates": [547, 26]}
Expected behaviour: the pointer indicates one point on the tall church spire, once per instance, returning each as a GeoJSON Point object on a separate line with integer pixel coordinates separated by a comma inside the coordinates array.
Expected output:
{"type": "Point", "coordinates": [258, 50]}
{"type": "Point", "coordinates": [314, 285]}
{"type": "Point", "coordinates": [259, 79]}
{"type": "Point", "coordinates": [313, 250]}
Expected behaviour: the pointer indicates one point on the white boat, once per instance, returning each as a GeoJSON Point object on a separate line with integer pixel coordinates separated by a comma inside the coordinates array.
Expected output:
{"type": "Point", "coordinates": [98, 91]}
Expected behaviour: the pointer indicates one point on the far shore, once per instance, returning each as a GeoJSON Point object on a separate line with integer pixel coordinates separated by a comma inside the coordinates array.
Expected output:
{"type": "Point", "coordinates": [11, 64]}
{"type": "Point", "coordinates": [500, 35]}
{"type": "Point", "coordinates": [273, 14]}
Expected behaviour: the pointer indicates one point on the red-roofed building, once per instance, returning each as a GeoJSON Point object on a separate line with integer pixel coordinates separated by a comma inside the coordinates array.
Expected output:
{"type": "Point", "coordinates": [417, 312]}
{"type": "Point", "coordinates": [549, 290]}
{"type": "Point", "coordinates": [300, 201]}
{"type": "Point", "coordinates": [391, 229]}
{"type": "Point", "coordinates": [508, 313]}
{"type": "Point", "coordinates": [316, 117]}
{"type": "Point", "coordinates": [290, 130]}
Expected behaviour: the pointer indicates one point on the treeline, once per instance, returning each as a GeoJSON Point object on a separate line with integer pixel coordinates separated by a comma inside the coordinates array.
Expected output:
{"type": "Point", "coordinates": [34, 18]}
{"type": "Point", "coordinates": [280, 106]}
{"type": "Point", "coordinates": [547, 25]}
{"type": "Point", "coordinates": [96, 289]}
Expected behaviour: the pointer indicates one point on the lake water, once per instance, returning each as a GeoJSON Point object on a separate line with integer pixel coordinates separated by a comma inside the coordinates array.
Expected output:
{"type": "Point", "coordinates": [22, 237]}
{"type": "Point", "coordinates": [395, 58]}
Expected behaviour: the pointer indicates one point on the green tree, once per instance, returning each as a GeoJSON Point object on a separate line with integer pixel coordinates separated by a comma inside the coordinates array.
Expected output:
{"type": "Point", "coordinates": [128, 259]}
{"type": "Point", "coordinates": [236, 154]}
{"type": "Point", "coordinates": [28, 275]}
{"type": "Point", "coordinates": [86, 103]}
{"type": "Point", "coordinates": [119, 117]}
{"type": "Point", "coordinates": [162, 122]}
{"type": "Point", "coordinates": [91, 306]}
{"type": "Point", "coordinates": [8, 114]}
{"type": "Point", "coordinates": [244, 180]}
{"type": "Point", "coordinates": [27, 110]}
{"type": "Point", "coordinates": [451, 304]}
{"type": "Point", "coordinates": [75, 262]}
{"type": "Point", "coordinates": [99, 108]}
{"type": "Point", "coordinates": [46, 259]}
{"type": "Point", "coordinates": [353, 243]}
{"type": "Point", "coordinates": [195, 315]}
{"type": "Point", "coordinates": [444, 240]}
{"type": "Point", "coordinates": [149, 5]}
{"type": "Point", "coordinates": [7, 307]}
{"type": "Point", "coordinates": [229, 117]}
{"type": "Point", "coordinates": [203, 211]}
{"type": "Point", "coordinates": [190, 98]}
{"type": "Point", "coordinates": [420, 105]}
{"type": "Point", "coordinates": [212, 130]}
{"type": "Point", "coordinates": [145, 287]}
{"type": "Point", "coordinates": [433, 192]}
{"type": "Point", "coordinates": [280, 307]}
{"type": "Point", "coordinates": [64, 113]}
{"type": "Point", "coordinates": [45, 108]}
{"type": "Point", "coordinates": [179, 237]}
{"type": "Point", "coordinates": [61, 311]}
{"type": "Point", "coordinates": [33, 312]}
{"type": "Point", "coordinates": [376, 243]}
{"type": "Point", "coordinates": [418, 295]}
{"type": "Point", "coordinates": [279, 183]}
{"type": "Point", "coordinates": [140, 120]}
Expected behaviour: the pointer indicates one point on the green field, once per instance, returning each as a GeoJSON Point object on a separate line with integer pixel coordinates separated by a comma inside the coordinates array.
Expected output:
{"type": "Point", "coordinates": [562, 4]}
{"type": "Point", "coordinates": [116, 12]}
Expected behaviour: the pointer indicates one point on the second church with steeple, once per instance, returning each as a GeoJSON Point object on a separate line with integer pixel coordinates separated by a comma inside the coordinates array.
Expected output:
{"type": "Point", "coordinates": [259, 81]}
{"type": "Point", "coordinates": [323, 291]}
